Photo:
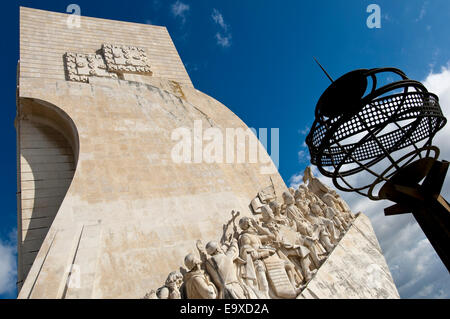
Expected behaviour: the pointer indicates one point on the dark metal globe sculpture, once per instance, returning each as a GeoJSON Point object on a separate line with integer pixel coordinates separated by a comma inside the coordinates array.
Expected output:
{"type": "Point", "coordinates": [377, 141]}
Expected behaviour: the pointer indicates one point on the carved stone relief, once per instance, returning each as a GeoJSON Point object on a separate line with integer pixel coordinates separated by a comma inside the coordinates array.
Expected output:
{"type": "Point", "coordinates": [271, 255]}
{"type": "Point", "coordinates": [267, 194]}
{"type": "Point", "coordinates": [112, 61]}
{"type": "Point", "coordinates": [81, 66]}
{"type": "Point", "coordinates": [125, 59]}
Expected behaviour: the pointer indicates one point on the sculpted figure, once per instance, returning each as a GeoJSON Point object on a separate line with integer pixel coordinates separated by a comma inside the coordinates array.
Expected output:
{"type": "Point", "coordinates": [338, 219]}
{"type": "Point", "coordinates": [341, 215]}
{"type": "Point", "coordinates": [150, 295]}
{"type": "Point", "coordinates": [325, 239]}
{"type": "Point", "coordinates": [340, 202]}
{"type": "Point", "coordinates": [222, 270]}
{"type": "Point", "coordinates": [292, 211]}
{"type": "Point", "coordinates": [273, 224]}
{"type": "Point", "coordinates": [263, 284]}
{"type": "Point", "coordinates": [309, 237]}
{"type": "Point", "coordinates": [277, 215]}
{"type": "Point", "coordinates": [344, 210]}
{"type": "Point", "coordinates": [294, 248]}
{"type": "Point", "coordinates": [173, 283]}
{"type": "Point", "coordinates": [229, 230]}
{"type": "Point", "coordinates": [320, 189]}
{"type": "Point", "coordinates": [307, 201]}
{"type": "Point", "coordinates": [162, 292]}
{"type": "Point", "coordinates": [313, 199]}
{"type": "Point", "coordinates": [291, 190]}
{"type": "Point", "coordinates": [252, 238]}
{"type": "Point", "coordinates": [301, 254]}
{"type": "Point", "coordinates": [301, 201]}
{"type": "Point", "coordinates": [267, 194]}
{"type": "Point", "coordinates": [280, 219]}
{"type": "Point", "coordinates": [315, 218]}
{"type": "Point", "coordinates": [329, 224]}
{"type": "Point", "coordinates": [303, 187]}
{"type": "Point", "coordinates": [252, 251]}
{"type": "Point", "coordinates": [309, 234]}
{"type": "Point", "coordinates": [318, 228]}
{"type": "Point", "coordinates": [198, 285]}
{"type": "Point", "coordinates": [268, 219]}
{"type": "Point", "coordinates": [254, 235]}
{"type": "Point", "coordinates": [314, 184]}
{"type": "Point", "coordinates": [348, 216]}
{"type": "Point", "coordinates": [331, 201]}
{"type": "Point", "coordinates": [171, 289]}
{"type": "Point", "coordinates": [276, 208]}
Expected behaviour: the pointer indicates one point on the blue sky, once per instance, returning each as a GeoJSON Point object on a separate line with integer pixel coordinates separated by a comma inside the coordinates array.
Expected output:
{"type": "Point", "coordinates": [256, 57]}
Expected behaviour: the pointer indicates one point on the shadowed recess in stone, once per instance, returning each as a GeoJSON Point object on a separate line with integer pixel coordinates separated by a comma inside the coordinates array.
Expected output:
{"type": "Point", "coordinates": [46, 162]}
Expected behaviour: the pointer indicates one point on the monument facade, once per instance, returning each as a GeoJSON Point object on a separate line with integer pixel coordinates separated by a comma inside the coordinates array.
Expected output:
{"type": "Point", "coordinates": [104, 211]}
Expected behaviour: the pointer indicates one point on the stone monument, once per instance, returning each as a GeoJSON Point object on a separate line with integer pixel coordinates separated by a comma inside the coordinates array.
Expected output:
{"type": "Point", "coordinates": [104, 210]}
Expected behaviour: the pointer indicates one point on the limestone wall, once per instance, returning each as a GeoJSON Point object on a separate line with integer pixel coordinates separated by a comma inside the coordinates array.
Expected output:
{"type": "Point", "coordinates": [45, 37]}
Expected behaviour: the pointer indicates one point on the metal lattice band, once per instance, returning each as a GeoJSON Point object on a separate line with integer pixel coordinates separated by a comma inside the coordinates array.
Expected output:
{"type": "Point", "coordinates": [363, 130]}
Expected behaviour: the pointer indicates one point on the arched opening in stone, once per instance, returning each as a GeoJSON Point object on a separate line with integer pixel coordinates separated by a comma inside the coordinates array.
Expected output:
{"type": "Point", "coordinates": [47, 154]}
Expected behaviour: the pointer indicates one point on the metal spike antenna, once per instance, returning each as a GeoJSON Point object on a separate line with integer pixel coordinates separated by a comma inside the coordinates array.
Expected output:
{"type": "Point", "coordinates": [324, 71]}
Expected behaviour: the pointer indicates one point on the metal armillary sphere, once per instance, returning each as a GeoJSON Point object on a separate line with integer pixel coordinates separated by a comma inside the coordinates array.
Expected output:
{"type": "Point", "coordinates": [377, 141]}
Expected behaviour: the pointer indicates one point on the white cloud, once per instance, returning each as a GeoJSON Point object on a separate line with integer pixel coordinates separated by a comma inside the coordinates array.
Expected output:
{"type": "Point", "coordinates": [423, 11]}
{"type": "Point", "coordinates": [223, 40]}
{"type": "Point", "coordinates": [218, 18]}
{"type": "Point", "coordinates": [415, 267]}
{"type": "Point", "coordinates": [180, 10]}
{"type": "Point", "coordinates": [439, 84]}
{"type": "Point", "coordinates": [8, 266]}
{"type": "Point", "coordinates": [296, 180]}
{"type": "Point", "coordinates": [223, 37]}
{"type": "Point", "coordinates": [303, 156]}
{"type": "Point", "coordinates": [304, 131]}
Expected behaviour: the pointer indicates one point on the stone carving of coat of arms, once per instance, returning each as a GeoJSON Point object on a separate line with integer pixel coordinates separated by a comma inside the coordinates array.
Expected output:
{"type": "Point", "coordinates": [126, 59]}
{"type": "Point", "coordinates": [112, 61]}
